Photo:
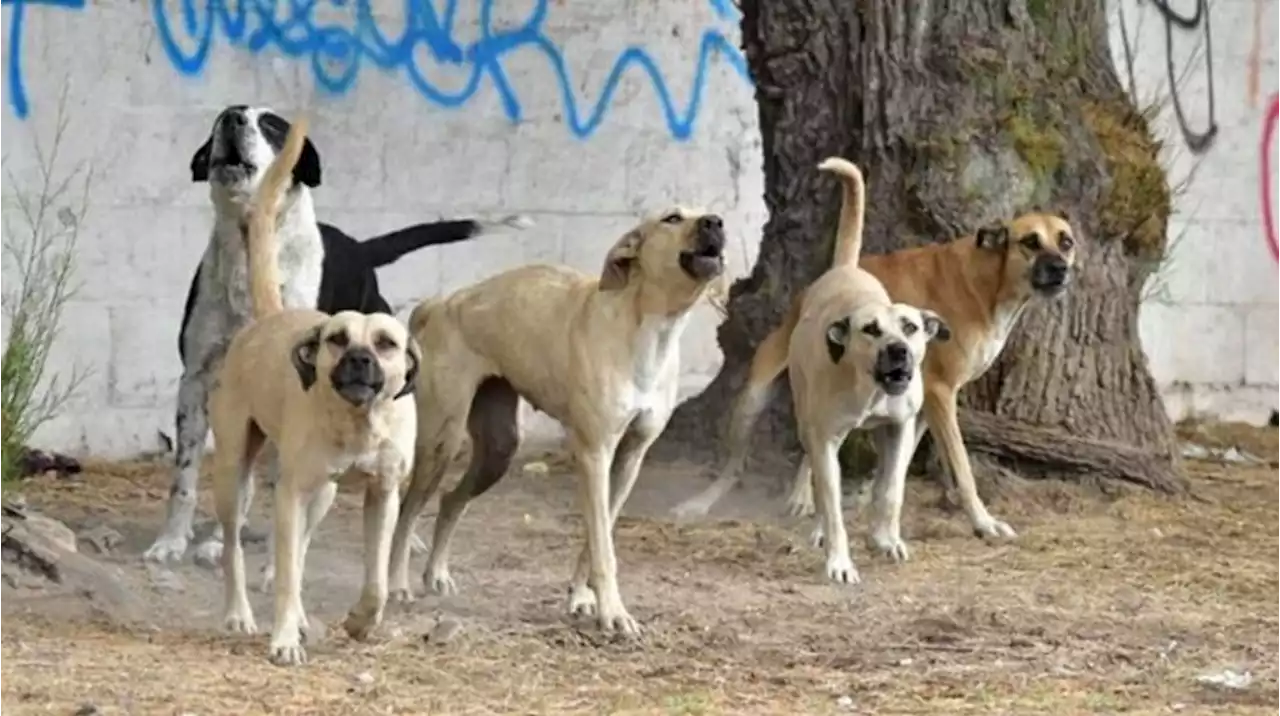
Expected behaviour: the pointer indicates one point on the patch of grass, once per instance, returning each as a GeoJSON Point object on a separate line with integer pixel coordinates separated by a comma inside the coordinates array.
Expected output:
{"type": "Point", "coordinates": [1137, 201]}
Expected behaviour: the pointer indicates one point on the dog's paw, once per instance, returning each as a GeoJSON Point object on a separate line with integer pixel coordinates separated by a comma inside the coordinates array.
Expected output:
{"type": "Point", "coordinates": [582, 601]}
{"type": "Point", "coordinates": [239, 620]}
{"type": "Point", "coordinates": [208, 554]}
{"type": "Point", "coordinates": [361, 621]}
{"type": "Point", "coordinates": [403, 596]}
{"type": "Point", "coordinates": [167, 548]}
{"type": "Point", "coordinates": [817, 538]}
{"type": "Point", "coordinates": [416, 545]}
{"type": "Point", "coordinates": [840, 569]}
{"type": "Point", "coordinates": [288, 654]}
{"type": "Point", "coordinates": [614, 619]}
{"type": "Point", "coordinates": [991, 528]}
{"type": "Point", "coordinates": [439, 581]}
{"type": "Point", "coordinates": [888, 544]}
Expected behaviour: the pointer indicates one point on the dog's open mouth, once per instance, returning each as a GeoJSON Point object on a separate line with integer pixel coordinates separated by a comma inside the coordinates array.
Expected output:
{"type": "Point", "coordinates": [894, 381]}
{"type": "Point", "coordinates": [358, 394]}
{"type": "Point", "coordinates": [704, 262]}
{"type": "Point", "coordinates": [230, 160]}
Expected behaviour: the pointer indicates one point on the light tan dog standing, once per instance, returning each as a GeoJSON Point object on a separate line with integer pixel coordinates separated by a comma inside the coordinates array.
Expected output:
{"type": "Point", "coordinates": [601, 355]}
{"type": "Point", "coordinates": [855, 359]}
{"type": "Point", "coordinates": [325, 390]}
{"type": "Point", "coordinates": [980, 285]}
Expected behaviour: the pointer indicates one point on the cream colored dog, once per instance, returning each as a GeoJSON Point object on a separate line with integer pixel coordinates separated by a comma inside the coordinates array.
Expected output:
{"type": "Point", "coordinates": [599, 355]}
{"type": "Point", "coordinates": [324, 389]}
{"type": "Point", "coordinates": [854, 360]}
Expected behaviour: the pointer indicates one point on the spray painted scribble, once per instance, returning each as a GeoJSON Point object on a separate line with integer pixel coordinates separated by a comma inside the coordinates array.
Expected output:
{"type": "Point", "coordinates": [13, 45]}
{"type": "Point", "coordinates": [1267, 175]}
{"type": "Point", "coordinates": [336, 53]}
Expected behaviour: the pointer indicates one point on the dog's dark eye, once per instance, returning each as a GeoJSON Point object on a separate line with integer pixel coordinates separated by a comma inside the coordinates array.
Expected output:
{"type": "Point", "coordinates": [672, 219]}
{"type": "Point", "coordinates": [909, 329]}
{"type": "Point", "coordinates": [1031, 241]}
{"type": "Point", "coordinates": [385, 343]}
{"type": "Point", "coordinates": [339, 339]}
{"type": "Point", "coordinates": [872, 329]}
{"type": "Point", "coordinates": [1065, 242]}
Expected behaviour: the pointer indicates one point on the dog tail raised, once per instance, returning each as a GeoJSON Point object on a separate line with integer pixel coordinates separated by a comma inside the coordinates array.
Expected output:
{"type": "Point", "coordinates": [388, 248]}
{"type": "Point", "coordinates": [852, 208]}
{"type": "Point", "coordinates": [264, 264]}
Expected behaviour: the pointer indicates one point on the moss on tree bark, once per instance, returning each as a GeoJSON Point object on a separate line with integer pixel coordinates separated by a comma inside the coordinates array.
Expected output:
{"type": "Point", "coordinates": [962, 112]}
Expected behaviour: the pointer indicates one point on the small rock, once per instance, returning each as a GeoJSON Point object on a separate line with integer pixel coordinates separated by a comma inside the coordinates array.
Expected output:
{"type": "Point", "coordinates": [88, 710]}
{"type": "Point", "coordinates": [845, 702]}
{"type": "Point", "coordinates": [906, 661]}
{"type": "Point", "coordinates": [1227, 679]}
{"type": "Point", "coordinates": [537, 467]}
{"type": "Point", "coordinates": [208, 554]}
{"type": "Point", "coordinates": [1156, 533]}
{"type": "Point", "coordinates": [1192, 451]}
{"type": "Point", "coordinates": [363, 678]}
{"type": "Point", "coordinates": [102, 539]}
{"type": "Point", "coordinates": [54, 531]}
{"type": "Point", "coordinates": [249, 535]}
{"type": "Point", "coordinates": [1240, 457]}
{"type": "Point", "coordinates": [445, 630]}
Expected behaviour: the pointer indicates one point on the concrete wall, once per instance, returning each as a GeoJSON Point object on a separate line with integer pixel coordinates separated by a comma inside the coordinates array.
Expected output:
{"type": "Point", "coordinates": [555, 135]}
{"type": "Point", "coordinates": [1210, 323]}
{"type": "Point", "coordinates": [502, 107]}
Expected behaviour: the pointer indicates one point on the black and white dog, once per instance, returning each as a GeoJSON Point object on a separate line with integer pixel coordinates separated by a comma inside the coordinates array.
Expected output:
{"type": "Point", "coordinates": [320, 267]}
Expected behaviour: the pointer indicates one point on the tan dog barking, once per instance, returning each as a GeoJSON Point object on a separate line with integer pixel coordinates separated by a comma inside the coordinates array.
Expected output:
{"type": "Point", "coordinates": [324, 389]}
{"type": "Point", "coordinates": [855, 361]}
{"type": "Point", "coordinates": [980, 285]}
{"type": "Point", "coordinates": [601, 355]}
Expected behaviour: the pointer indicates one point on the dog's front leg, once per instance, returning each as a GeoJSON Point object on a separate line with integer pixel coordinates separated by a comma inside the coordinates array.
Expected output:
{"type": "Point", "coordinates": [627, 461]}
{"type": "Point", "coordinates": [821, 450]}
{"type": "Point", "coordinates": [894, 445]}
{"type": "Point", "coordinates": [593, 462]}
{"type": "Point", "coordinates": [192, 427]}
{"type": "Point", "coordinates": [940, 410]}
{"type": "Point", "coordinates": [381, 505]}
{"type": "Point", "coordinates": [286, 633]}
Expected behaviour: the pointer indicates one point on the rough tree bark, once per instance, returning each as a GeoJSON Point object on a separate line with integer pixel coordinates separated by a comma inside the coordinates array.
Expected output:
{"type": "Point", "coordinates": [962, 112]}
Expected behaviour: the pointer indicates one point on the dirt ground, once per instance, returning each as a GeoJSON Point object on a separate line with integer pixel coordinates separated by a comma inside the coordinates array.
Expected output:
{"type": "Point", "coordinates": [1104, 604]}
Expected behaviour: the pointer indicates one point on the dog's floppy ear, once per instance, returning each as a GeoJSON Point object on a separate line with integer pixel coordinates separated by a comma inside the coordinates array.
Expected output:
{"type": "Point", "coordinates": [620, 259]}
{"type": "Point", "coordinates": [307, 170]}
{"type": "Point", "coordinates": [837, 338]}
{"type": "Point", "coordinates": [413, 355]}
{"type": "Point", "coordinates": [200, 161]}
{"type": "Point", "coordinates": [304, 357]}
{"type": "Point", "coordinates": [992, 236]}
{"type": "Point", "coordinates": [934, 327]}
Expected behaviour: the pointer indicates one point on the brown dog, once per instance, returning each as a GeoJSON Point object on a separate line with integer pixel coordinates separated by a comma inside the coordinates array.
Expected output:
{"type": "Point", "coordinates": [600, 355]}
{"type": "Point", "coordinates": [980, 285]}
{"type": "Point", "coordinates": [326, 391]}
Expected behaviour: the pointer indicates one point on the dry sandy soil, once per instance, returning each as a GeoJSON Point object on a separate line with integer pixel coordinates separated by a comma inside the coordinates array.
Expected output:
{"type": "Point", "coordinates": [1104, 604]}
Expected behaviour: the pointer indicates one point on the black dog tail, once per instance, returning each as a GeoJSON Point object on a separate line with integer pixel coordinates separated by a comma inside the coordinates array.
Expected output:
{"type": "Point", "coordinates": [388, 248]}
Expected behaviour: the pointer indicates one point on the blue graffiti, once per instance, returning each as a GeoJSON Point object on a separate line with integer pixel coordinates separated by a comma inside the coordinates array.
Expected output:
{"type": "Point", "coordinates": [337, 54]}
{"type": "Point", "coordinates": [17, 90]}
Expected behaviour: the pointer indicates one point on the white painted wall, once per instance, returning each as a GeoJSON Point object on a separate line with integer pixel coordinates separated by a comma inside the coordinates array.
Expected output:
{"type": "Point", "coordinates": [1210, 324]}
{"type": "Point", "coordinates": [398, 150]}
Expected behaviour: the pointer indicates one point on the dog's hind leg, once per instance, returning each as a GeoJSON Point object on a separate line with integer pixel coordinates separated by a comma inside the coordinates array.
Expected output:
{"type": "Point", "coordinates": [439, 439]}
{"type": "Point", "coordinates": [940, 411]}
{"type": "Point", "coordinates": [627, 461]}
{"type": "Point", "coordinates": [894, 445]}
{"type": "Point", "coordinates": [233, 493]}
{"type": "Point", "coordinates": [495, 437]}
{"type": "Point", "coordinates": [192, 427]}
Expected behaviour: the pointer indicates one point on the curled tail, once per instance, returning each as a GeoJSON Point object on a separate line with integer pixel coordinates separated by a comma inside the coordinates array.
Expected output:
{"type": "Point", "coordinates": [264, 264]}
{"type": "Point", "coordinates": [852, 207]}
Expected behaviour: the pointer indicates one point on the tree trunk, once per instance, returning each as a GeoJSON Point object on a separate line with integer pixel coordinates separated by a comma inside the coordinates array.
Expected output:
{"type": "Point", "coordinates": [962, 112]}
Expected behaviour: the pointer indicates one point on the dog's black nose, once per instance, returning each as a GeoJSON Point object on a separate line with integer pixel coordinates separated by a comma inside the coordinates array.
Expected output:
{"type": "Point", "coordinates": [710, 221]}
{"type": "Point", "coordinates": [897, 352]}
{"type": "Point", "coordinates": [359, 359]}
{"type": "Point", "coordinates": [236, 119]}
